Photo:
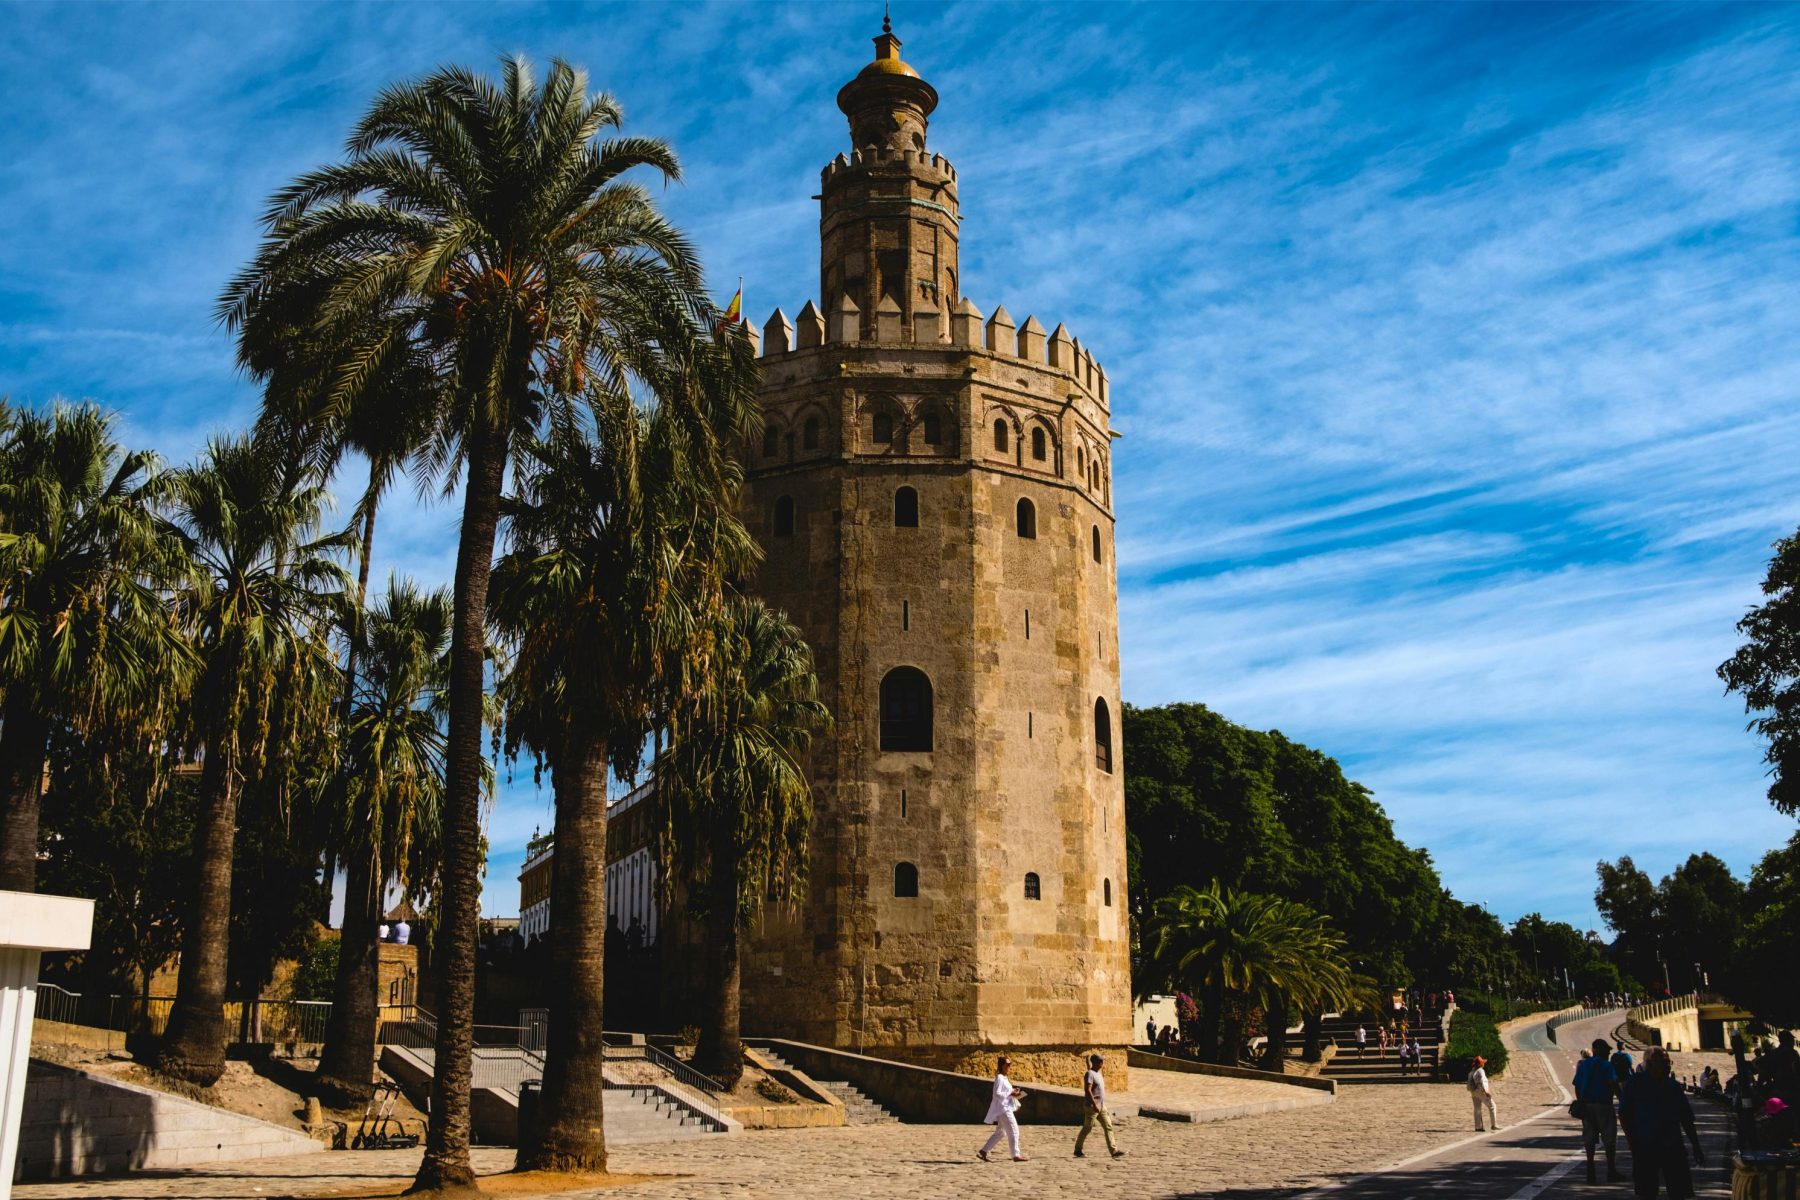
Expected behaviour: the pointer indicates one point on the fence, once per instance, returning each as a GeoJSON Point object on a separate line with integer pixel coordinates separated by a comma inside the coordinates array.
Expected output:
{"type": "Point", "coordinates": [103, 1022]}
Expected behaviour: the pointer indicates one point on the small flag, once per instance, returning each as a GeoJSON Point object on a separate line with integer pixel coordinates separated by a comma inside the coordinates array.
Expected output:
{"type": "Point", "coordinates": [734, 311]}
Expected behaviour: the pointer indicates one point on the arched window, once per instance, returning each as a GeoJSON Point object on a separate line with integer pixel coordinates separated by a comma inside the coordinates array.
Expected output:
{"type": "Point", "coordinates": [1102, 736]}
{"type": "Point", "coordinates": [771, 439]}
{"type": "Point", "coordinates": [1080, 460]}
{"type": "Point", "coordinates": [1106, 892]}
{"type": "Point", "coordinates": [906, 508]}
{"type": "Point", "coordinates": [809, 436]}
{"type": "Point", "coordinates": [1096, 543]}
{"type": "Point", "coordinates": [906, 710]}
{"type": "Point", "coordinates": [1027, 519]}
{"type": "Point", "coordinates": [906, 880]}
{"type": "Point", "coordinates": [884, 429]}
{"type": "Point", "coordinates": [784, 516]}
{"type": "Point", "coordinates": [1038, 450]}
{"type": "Point", "coordinates": [1000, 437]}
{"type": "Point", "coordinates": [934, 429]}
{"type": "Point", "coordinates": [1032, 890]}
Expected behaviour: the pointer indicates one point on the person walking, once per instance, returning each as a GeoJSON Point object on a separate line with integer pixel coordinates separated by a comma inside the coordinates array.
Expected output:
{"type": "Point", "coordinates": [1655, 1112]}
{"type": "Point", "coordinates": [1002, 1114]}
{"type": "Point", "coordinates": [1481, 1092]}
{"type": "Point", "coordinates": [1596, 1083]}
{"type": "Point", "coordinates": [1150, 1031]}
{"type": "Point", "coordinates": [1093, 1086]}
{"type": "Point", "coordinates": [1417, 1053]}
{"type": "Point", "coordinates": [1362, 1040]}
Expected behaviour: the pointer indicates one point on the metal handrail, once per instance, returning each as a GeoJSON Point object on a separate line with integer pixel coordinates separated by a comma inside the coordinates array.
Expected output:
{"type": "Point", "coordinates": [683, 1072]}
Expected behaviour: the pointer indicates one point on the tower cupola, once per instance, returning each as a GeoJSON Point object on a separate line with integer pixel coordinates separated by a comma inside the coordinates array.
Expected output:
{"type": "Point", "coordinates": [887, 103]}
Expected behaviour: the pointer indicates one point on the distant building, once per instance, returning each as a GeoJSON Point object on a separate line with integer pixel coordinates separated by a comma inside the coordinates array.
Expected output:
{"type": "Point", "coordinates": [630, 874]}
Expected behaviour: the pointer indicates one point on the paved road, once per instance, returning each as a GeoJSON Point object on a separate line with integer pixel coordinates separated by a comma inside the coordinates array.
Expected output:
{"type": "Point", "coordinates": [1535, 1155]}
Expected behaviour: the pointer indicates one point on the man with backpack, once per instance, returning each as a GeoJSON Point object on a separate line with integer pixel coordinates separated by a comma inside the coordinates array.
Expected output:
{"type": "Point", "coordinates": [1482, 1093]}
{"type": "Point", "coordinates": [1596, 1084]}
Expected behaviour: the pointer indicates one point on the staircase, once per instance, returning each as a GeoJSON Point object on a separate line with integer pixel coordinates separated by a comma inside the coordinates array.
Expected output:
{"type": "Point", "coordinates": [643, 1114]}
{"type": "Point", "coordinates": [1372, 1067]}
{"type": "Point", "coordinates": [858, 1108]}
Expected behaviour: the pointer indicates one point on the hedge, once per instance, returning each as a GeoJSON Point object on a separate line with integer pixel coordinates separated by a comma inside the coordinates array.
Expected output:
{"type": "Point", "coordinates": [1471, 1034]}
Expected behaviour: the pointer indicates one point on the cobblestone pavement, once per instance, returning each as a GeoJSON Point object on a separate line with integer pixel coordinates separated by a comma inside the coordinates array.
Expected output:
{"type": "Point", "coordinates": [1368, 1127]}
{"type": "Point", "coordinates": [1178, 1089]}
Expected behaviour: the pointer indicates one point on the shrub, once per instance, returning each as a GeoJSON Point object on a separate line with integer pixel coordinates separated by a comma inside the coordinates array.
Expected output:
{"type": "Point", "coordinates": [1471, 1034]}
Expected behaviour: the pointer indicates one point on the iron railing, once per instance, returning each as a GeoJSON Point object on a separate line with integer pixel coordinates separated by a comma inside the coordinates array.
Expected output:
{"type": "Point", "coordinates": [684, 1073]}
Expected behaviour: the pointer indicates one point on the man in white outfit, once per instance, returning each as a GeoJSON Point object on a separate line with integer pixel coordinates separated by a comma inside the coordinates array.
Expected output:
{"type": "Point", "coordinates": [1001, 1114]}
{"type": "Point", "coordinates": [1362, 1041]}
{"type": "Point", "coordinates": [1482, 1093]}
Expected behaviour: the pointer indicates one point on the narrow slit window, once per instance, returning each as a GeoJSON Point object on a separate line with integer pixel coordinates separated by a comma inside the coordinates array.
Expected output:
{"type": "Point", "coordinates": [1096, 543]}
{"type": "Point", "coordinates": [902, 803]}
{"type": "Point", "coordinates": [1039, 449]}
{"type": "Point", "coordinates": [1106, 892]}
{"type": "Point", "coordinates": [1030, 724]}
{"type": "Point", "coordinates": [1027, 519]}
{"type": "Point", "coordinates": [1000, 435]}
{"type": "Point", "coordinates": [905, 615]}
{"type": "Point", "coordinates": [1033, 891]}
{"type": "Point", "coordinates": [1103, 757]}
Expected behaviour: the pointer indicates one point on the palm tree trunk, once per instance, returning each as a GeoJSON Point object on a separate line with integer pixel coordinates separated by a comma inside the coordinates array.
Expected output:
{"type": "Point", "coordinates": [1275, 1022]}
{"type": "Point", "coordinates": [1312, 1026]}
{"type": "Point", "coordinates": [346, 1061]}
{"type": "Point", "coordinates": [570, 1133]}
{"type": "Point", "coordinates": [446, 1165]}
{"type": "Point", "coordinates": [721, 1050]}
{"type": "Point", "coordinates": [1212, 1018]}
{"type": "Point", "coordinates": [193, 1046]}
{"type": "Point", "coordinates": [23, 742]}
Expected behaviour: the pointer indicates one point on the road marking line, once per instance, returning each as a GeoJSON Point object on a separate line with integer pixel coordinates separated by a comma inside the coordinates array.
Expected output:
{"type": "Point", "coordinates": [1542, 1183]}
{"type": "Point", "coordinates": [1560, 1106]}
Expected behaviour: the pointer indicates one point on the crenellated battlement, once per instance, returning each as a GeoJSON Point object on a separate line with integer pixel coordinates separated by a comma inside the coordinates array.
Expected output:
{"type": "Point", "coordinates": [962, 328]}
{"type": "Point", "coordinates": [915, 161]}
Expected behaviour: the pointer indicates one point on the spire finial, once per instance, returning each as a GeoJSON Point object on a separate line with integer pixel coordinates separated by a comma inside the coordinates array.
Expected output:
{"type": "Point", "coordinates": [887, 26]}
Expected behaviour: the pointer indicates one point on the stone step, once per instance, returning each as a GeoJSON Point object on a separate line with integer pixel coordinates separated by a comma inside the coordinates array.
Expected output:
{"type": "Point", "coordinates": [858, 1108]}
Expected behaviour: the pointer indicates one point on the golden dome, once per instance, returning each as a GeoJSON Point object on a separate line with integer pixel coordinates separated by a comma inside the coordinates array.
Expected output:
{"type": "Point", "coordinates": [888, 66]}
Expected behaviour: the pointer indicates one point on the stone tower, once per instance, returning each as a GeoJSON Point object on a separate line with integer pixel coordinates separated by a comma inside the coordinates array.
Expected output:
{"type": "Point", "coordinates": [934, 495]}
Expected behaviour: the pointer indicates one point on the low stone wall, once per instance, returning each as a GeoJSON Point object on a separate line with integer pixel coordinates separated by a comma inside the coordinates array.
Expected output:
{"type": "Point", "coordinates": [1161, 1062]}
{"type": "Point", "coordinates": [79, 1123]}
{"type": "Point", "coordinates": [926, 1094]}
{"type": "Point", "coordinates": [1061, 1066]}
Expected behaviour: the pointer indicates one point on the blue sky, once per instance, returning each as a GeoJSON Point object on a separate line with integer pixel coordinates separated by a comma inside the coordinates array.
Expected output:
{"type": "Point", "coordinates": [1455, 347]}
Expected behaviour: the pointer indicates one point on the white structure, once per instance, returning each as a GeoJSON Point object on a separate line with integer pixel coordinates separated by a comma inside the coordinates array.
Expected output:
{"type": "Point", "coordinates": [29, 925]}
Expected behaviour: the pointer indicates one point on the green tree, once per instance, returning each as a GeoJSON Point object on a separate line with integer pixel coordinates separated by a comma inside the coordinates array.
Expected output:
{"type": "Point", "coordinates": [84, 627]}
{"type": "Point", "coordinates": [1761, 976]}
{"type": "Point", "coordinates": [1236, 949]}
{"type": "Point", "coordinates": [737, 807]}
{"type": "Point", "coordinates": [392, 795]}
{"type": "Point", "coordinates": [617, 551]}
{"type": "Point", "coordinates": [1765, 671]}
{"type": "Point", "coordinates": [259, 616]}
{"type": "Point", "coordinates": [1627, 901]}
{"type": "Point", "coordinates": [487, 224]}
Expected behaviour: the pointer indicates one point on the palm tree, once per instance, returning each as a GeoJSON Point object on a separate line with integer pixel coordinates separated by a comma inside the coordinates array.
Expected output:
{"type": "Point", "coordinates": [393, 763]}
{"type": "Point", "coordinates": [260, 618]}
{"type": "Point", "coordinates": [1227, 945]}
{"type": "Point", "coordinates": [736, 802]}
{"type": "Point", "coordinates": [488, 227]}
{"type": "Point", "coordinates": [84, 630]}
{"type": "Point", "coordinates": [617, 550]}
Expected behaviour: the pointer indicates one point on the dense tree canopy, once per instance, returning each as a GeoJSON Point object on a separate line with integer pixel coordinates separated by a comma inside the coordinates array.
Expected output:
{"type": "Point", "coordinates": [1208, 800]}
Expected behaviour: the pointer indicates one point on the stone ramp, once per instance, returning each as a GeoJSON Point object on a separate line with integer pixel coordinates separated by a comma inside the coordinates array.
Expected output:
{"type": "Point", "coordinates": [81, 1123]}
